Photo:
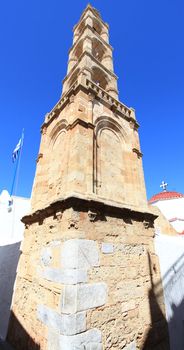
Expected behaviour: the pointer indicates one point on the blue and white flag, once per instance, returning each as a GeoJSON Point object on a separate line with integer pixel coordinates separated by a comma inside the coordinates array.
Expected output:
{"type": "Point", "coordinates": [17, 150]}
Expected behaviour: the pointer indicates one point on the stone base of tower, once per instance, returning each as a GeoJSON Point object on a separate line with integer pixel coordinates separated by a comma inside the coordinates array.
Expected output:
{"type": "Point", "coordinates": [88, 278]}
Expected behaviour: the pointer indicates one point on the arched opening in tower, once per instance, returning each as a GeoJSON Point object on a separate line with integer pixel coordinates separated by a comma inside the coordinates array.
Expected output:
{"type": "Point", "coordinates": [80, 28]}
{"type": "Point", "coordinates": [97, 26]}
{"type": "Point", "coordinates": [98, 50]}
{"type": "Point", "coordinates": [78, 50]}
{"type": "Point", "coordinates": [99, 77]}
{"type": "Point", "coordinates": [73, 78]}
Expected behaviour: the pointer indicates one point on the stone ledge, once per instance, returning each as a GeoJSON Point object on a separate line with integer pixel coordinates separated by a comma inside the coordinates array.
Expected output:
{"type": "Point", "coordinates": [80, 202]}
{"type": "Point", "coordinates": [99, 93]}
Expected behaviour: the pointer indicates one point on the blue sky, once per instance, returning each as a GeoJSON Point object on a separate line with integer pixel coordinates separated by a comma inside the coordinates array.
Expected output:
{"type": "Point", "coordinates": [148, 41]}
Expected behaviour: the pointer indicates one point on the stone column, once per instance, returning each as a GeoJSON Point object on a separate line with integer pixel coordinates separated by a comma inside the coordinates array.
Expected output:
{"type": "Point", "coordinates": [87, 45]}
{"type": "Point", "coordinates": [112, 88]}
{"type": "Point", "coordinates": [89, 21]}
{"type": "Point", "coordinates": [105, 34]}
{"type": "Point", "coordinates": [107, 60]}
{"type": "Point", "coordinates": [75, 35]}
{"type": "Point", "coordinates": [71, 63]}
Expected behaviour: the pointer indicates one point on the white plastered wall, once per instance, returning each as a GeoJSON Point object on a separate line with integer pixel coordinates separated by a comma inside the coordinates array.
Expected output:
{"type": "Point", "coordinates": [11, 234]}
{"type": "Point", "coordinates": [173, 209]}
{"type": "Point", "coordinates": [170, 250]}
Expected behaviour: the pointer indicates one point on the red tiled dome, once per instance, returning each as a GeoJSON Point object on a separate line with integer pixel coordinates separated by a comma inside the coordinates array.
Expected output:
{"type": "Point", "coordinates": [165, 195]}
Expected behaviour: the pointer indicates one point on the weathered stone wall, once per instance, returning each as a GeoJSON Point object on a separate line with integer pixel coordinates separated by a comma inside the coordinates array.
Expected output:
{"type": "Point", "coordinates": [84, 279]}
{"type": "Point", "coordinates": [89, 149]}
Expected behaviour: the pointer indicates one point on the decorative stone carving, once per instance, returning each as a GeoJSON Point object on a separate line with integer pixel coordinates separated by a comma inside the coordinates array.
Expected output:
{"type": "Point", "coordinates": [146, 224]}
{"type": "Point", "coordinates": [40, 155]}
{"type": "Point", "coordinates": [139, 154]}
{"type": "Point", "coordinates": [73, 220]}
{"type": "Point", "coordinates": [59, 215]}
{"type": "Point", "coordinates": [113, 107]}
{"type": "Point", "coordinates": [72, 98]}
{"type": "Point", "coordinates": [91, 97]}
{"type": "Point", "coordinates": [92, 215]}
{"type": "Point", "coordinates": [44, 128]}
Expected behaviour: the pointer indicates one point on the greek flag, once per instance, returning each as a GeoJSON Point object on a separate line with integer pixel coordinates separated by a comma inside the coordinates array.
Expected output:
{"type": "Point", "coordinates": [17, 150]}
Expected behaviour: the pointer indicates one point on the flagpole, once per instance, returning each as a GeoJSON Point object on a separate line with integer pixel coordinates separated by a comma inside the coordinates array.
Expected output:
{"type": "Point", "coordinates": [14, 176]}
{"type": "Point", "coordinates": [17, 168]}
{"type": "Point", "coordinates": [15, 184]}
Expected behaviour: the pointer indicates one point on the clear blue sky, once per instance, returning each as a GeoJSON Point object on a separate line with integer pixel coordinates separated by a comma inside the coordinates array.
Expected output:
{"type": "Point", "coordinates": [148, 41]}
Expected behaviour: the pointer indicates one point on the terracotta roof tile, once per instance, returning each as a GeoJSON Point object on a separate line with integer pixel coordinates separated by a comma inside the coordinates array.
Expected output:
{"type": "Point", "coordinates": [165, 195]}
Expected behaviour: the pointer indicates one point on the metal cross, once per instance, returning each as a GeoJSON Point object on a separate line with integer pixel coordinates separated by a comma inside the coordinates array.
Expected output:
{"type": "Point", "coordinates": [164, 186]}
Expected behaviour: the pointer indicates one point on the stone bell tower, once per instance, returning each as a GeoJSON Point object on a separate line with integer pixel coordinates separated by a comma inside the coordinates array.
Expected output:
{"type": "Point", "coordinates": [88, 264]}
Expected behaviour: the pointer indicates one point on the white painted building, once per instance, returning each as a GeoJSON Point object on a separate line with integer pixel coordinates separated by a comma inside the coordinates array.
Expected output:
{"type": "Point", "coordinates": [11, 227]}
{"type": "Point", "coordinates": [171, 204]}
{"type": "Point", "coordinates": [11, 235]}
{"type": "Point", "coordinates": [170, 250]}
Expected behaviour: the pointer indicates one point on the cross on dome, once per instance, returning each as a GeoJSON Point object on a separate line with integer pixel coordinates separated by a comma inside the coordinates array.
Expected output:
{"type": "Point", "coordinates": [164, 186]}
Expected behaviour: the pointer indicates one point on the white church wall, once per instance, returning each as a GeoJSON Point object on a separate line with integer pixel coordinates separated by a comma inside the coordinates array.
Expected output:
{"type": "Point", "coordinates": [11, 228]}
{"type": "Point", "coordinates": [11, 234]}
{"type": "Point", "coordinates": [178, 224]}
{"type": "Point", "coordinates": [172, 208]}
{"type": "Point", "coordinates": [170, 250]}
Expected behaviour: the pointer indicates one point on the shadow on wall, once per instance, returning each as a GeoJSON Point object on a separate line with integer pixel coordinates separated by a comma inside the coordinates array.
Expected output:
{"type": "Point", "coordinates": [19, 337]}
{"type": "Point", "coordinates": [157, 335]}
{"type": "Point", "coordinates": [163, 334]}
{"type": "Point", "coordinates": [173, 283]}
{"type": "Point", "coordinates": [9, 256]}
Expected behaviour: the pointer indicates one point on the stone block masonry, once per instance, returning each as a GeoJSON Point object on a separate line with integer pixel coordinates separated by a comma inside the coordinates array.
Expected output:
{"type": "Point", "coordinates": [90, 340]}
{"type": "Point", "coordinates": [83, 297]}
{"type": "Point", "coordinates": [93, 291]}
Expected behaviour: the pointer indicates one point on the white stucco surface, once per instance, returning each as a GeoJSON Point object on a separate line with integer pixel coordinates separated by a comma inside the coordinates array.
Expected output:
{"type": "Point", "coordinates": [178, 224]}
{"type": "Point", "coordinates": [173, 209]}
{"type": "Point", "coordinates": [11, 228]}
{"type": "Point", "coordinates": [11, 234]}
{"type": "Point", "coordinates": [170, 250]}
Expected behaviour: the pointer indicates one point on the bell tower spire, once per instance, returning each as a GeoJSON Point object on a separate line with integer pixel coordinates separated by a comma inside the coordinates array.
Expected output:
{"type": "Point", "coordinates": [91, 53]}
{"type": "Point", "coordinates": [90, 117]}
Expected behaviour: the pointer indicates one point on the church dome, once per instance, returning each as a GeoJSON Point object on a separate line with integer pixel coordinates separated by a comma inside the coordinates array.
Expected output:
{"type": "Point", "coordinates": [162, 196]}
